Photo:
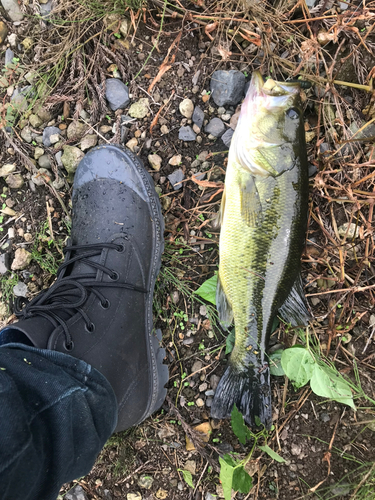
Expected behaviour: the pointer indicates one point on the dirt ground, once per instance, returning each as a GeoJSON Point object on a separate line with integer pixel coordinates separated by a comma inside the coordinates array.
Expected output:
{"type": "Point", "coordinates": [327, 447]}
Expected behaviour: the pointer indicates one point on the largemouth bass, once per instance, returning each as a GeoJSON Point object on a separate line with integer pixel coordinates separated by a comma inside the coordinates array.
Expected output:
{"type": "Point", "coordinates": [263, 217]}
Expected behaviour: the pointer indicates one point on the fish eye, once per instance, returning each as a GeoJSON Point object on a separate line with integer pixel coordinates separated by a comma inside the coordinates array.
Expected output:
{"type": "Point", "coordinates": [292, 113]}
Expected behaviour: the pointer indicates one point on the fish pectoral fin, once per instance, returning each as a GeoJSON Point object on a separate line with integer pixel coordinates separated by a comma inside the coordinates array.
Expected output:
{"type": "Point", "coordinates": [251, 208]}
{"type": "Point", "coordinates": [264, 157]}
{"type": "Point", "coordinates": [295, 309]}
{"type": "Point", "coordinates": [223, 307]}
{"type": "Point", "coordinates": [217, 221]}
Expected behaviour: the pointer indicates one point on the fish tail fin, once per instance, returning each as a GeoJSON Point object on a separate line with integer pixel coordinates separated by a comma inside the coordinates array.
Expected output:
{"type": "Point", "coordinates": [249, 390]}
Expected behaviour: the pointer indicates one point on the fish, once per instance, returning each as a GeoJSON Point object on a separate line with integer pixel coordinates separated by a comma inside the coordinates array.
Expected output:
{"type": "Point", "coordinates": [263, 223]}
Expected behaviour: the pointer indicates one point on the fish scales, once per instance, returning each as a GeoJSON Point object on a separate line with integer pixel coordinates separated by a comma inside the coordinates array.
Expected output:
{"type": "Point", "coordinates": [263, 226]}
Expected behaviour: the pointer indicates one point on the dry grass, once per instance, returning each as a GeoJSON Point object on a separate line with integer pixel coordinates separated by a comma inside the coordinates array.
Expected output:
{"type": "Point", "coordinates": [74, 50]}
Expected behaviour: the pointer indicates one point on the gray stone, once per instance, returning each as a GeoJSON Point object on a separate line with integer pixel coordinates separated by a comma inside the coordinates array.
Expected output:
{"type": "Point", "coordinates": [215, 127]}
{"type": "Point", "coordinates": [12, 9]}
{"type": "Point", "coordinates": [46, 8]}
{"type": "Point", "coordinates": [210, 392]}
{"type": "Point", "coordinates": [227, 87]}
{"type": "Point", "coordinates": [350, 230]}
{"type": "Point", "coordinates": [117, 94]}
{"type": "Point", "coordinates": [12, 39]}
{"type": "Point", "coordinates": [58, 184]}
{"type": "Point", "coordinates": [7, 169]}
{"type": "Point", "coordinates": [19, 99]}
{"type": "Point", "coordinates": [15, 181]}
{"type": "Point", "coordinates": [210, 496]}
{"type": "Point", "coordinates": [186, 134]}
{"type": "Point", "coordinates": [43, 114]}
{"type": "Point", "coordinates": [71, 158]}
{"type": "Point", "coordinates": [139, 109]}
{"type": "Point", "coordinates": [75, 130]}
{"type": "Point", "coordinates": [44, 161]}
{"type": "Point", "coordinates": [134, 496]}
{"type": "Point", "coordinates": [186, 108]}
{"type": "Point", "coordinates": [76, 493]}
{"type": "Point", "coordinates": [209, 402]}
{"type": "Point", "coordinates": [214, 381]}
{"type": "Point", "coordinates": [344, 5]}
{"type": "Point", "coordinates": [20, 290]}
{"type": "Point", "coordinates": [296, 449]}
{"type": "Point", "coordinates": [155, 161]}
{"type": "Point", "coordinates": [9, 54]}
{"type": "Point", "coordinates": [198, 116]}
{"type": "Point", "coordinates": [89, 141]}
{"type": "Point", "coordinates": [26, 134]}
{"type": "Point", "coordinates": [54, 138]}
{"type": "Point", "coordinates": [227, 137]}
{"type": "Point", "coordinates": [341, 489]}
{"type": "Point", "coordinates": [38, 152]}
{"type": "Point", "coordinates": [324, 417]}
{"type": "Point", "coordinates": [58, 159]}
{"type": "Point", "coordinates": [145, 482]}
{"type": "Point", "coordinates": [4, 263]}
{"type": "Point", "coordinates": [175, 179]}
{"type": "Point", "coordinates": [124, 27]}
{"type": "Point", "coordinates": [35, 121]}
{"type": "Point", "coordinates": [41, 176]}
{"type": "Point", "coordinates": [22, 259]}
{"type": "Point", "coordinates": [47, 132]}
{"type": "Point", "coordinates": [197, 365]}
{"type": "Point", "coordinates": [312, 169]}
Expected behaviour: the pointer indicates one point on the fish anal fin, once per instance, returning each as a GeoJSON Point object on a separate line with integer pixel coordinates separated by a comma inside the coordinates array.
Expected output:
{"type": "Point", "coordinates": [295, 309]}
{"type": "Point", "coordinates": [251, 208]}
{"type": "Point", "coordinates": [223, 307]}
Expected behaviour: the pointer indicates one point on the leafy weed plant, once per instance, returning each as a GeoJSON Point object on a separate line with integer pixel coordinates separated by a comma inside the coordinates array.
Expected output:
{"type": "Point", "coordinates": [47, 251]}
{"type": "Point", "coordinates": [233, 475]}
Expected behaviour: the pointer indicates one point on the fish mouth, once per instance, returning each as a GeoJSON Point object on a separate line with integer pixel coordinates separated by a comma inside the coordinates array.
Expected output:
{"type": "Point", "coordinates": [271, 87]}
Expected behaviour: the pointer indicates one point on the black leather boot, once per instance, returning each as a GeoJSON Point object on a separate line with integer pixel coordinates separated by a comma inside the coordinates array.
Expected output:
{"type": "Point", "coordinates": [100, 307]}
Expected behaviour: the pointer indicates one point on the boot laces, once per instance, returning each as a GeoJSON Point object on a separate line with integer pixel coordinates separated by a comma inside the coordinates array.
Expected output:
{"type": "Point", "coordinates": [68, 294]}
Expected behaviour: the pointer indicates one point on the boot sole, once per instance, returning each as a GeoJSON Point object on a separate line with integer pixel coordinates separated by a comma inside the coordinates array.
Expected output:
{"type": "Point", "coordinates": [156, 353]}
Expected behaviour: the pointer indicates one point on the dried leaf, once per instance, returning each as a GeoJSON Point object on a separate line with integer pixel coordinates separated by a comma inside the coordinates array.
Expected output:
{"type": "Point", "coordinates": [225, 54]}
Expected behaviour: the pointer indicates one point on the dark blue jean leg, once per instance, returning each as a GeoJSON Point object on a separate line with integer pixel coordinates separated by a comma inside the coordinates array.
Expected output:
{"type": "Point", "coordinates": [56, 413]}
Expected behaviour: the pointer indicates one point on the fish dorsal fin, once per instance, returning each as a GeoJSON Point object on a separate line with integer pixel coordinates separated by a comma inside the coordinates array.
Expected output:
{"type": "Point", "coordinates": [223, 307]}
{"type": "Point", "coordinates": [251, 208]}
{"type": "Point", "coordinates": [295, 309]}
{"type": "Point", "coordinates": [217, 221]}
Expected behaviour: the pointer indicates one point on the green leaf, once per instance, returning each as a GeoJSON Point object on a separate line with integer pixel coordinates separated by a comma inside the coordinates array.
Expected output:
{"type": "Point", "coordinates": [238, 425]}
{"type": "Point", "coordinates": [187, 477]}
{"type": "Point", "coordinates": [226, 475]}
{"type": "Point", "coordinates": [241, 480]}
{"type": "Point", "coordinates": [328, 383]}
{"type": "Point", "coordinates": [272, 454]}
{"type": "Point", "coordinates": [230, 340]}
{"type": "Point", "coordinates": [208, 290]}
{"type": "Point", "coordinates": [275, 363]}
{"type": "Point", "coordinates": [298, 365]}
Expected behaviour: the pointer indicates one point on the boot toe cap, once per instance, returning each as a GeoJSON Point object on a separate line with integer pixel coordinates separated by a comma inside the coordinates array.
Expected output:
{"type": "Point", "coordinates": [112, 162]}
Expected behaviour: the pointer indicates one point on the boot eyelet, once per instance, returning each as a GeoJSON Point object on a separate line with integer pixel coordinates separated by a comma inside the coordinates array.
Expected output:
{"type": "Point", "coordinates": [114, 276]}
{"type": "Point", "coordinates": [105, 304]}
{"type": "Point", "coordinates": [120, 248]}
{"type": "Point", "coordinates": [90, 327]}
{"type": "Point", "coordinates": [68, 347]}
